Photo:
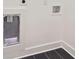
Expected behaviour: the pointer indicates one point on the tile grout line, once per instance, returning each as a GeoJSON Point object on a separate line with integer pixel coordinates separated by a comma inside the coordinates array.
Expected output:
{"type": "Point", "coordinates": [59, 54]}
{"type": "Point", "coordinates": [46, 55]}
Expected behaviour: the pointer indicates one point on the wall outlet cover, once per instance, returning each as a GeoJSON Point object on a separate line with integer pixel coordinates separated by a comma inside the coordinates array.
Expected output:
{"type": "Point", "coordinates": [56, 9]}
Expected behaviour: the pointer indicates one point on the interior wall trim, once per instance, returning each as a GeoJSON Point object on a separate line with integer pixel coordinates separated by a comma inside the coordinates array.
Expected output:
{"type": "Point", "coordinates": [41, 48]}
{"type": "Point", "coordinates": [47, 47]}
{"type": "Point", "coordinates": [68, 48]}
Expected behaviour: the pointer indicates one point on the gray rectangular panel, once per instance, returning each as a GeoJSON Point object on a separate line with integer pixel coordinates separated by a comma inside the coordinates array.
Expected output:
{"type": "Point", "coordinates": [11, 29]}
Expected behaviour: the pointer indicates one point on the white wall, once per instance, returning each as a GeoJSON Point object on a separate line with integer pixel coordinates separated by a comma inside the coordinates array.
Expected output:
{"type": "Point", "coordinates": [42, 27]}
{"type": "Point", "coordinates": [69, 22]}
{"type": "Point", "coordinates": [10, 3]}
{"type": "Point", "coordinates": [39, 26]}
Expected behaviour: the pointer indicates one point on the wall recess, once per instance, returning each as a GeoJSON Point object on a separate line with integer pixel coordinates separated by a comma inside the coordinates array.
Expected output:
{"type": "Point", "coordinates": [11, 29]}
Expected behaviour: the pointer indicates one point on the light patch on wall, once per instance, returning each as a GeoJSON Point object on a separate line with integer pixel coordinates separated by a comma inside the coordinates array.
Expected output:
{"type": "Point", "coordinates": [45, 2]}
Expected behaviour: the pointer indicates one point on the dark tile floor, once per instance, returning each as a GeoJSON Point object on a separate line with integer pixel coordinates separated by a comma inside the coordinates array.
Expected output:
{"type": "Point", "coordinates": [54, 54]}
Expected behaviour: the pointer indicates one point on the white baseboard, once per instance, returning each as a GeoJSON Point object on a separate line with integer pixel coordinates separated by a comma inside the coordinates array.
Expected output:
{"type": "Point", "coordinates": [47, 47]}
{"type": "Point", "coordinates": [41, 48]}
{"type": "Point", "coordinates": [68, 48]}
